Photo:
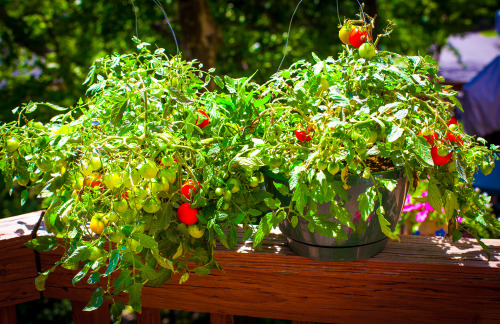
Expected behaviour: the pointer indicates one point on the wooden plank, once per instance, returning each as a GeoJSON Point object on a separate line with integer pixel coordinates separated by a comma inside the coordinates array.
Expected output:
{"type": "Point", "coordinates": [221, 319]}
{"type": "Point", "coordinates": [98, 316]}
{"type": "Point", "coordinates": [424, 279]}
{"type": "Point", "coordinates": [149, 316]}
{"type": "Point", "coordinates": [8, 315]}
{"type": "Point", "coordinates": [17, 262]}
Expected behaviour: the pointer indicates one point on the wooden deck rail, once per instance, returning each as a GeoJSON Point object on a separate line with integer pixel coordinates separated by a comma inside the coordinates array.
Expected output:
{"type": "Point", "coordinates": [420, 279]}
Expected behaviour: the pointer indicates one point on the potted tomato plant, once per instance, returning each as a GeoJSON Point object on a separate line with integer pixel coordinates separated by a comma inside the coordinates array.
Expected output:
{"type": "Point", "coordinates": [141, 177]}
{"type": "Point", "coordinates": [342, 138]}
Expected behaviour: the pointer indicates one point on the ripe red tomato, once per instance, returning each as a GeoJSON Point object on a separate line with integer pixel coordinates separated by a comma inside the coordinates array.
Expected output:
{"type": "Point", "coordinates": [452, 120]}
{"type": "Point", "coordinates": [186, 214]}
{"type": "Point", "coordinates": [204, 122]}
{"type": "Point", "coordinates": [358, 36]}
{"type": "Point", "coordinates": [453, 138]}
{"type": "Point", "coordinates": [439, 160]}
{"type": "Point", "coordinates": [303, 135]}
{"type": "Point", "coordinates": [186, 188]}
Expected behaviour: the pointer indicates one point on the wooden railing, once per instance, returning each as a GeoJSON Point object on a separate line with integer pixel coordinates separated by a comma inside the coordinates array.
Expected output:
{"type": "Point", "coordinates": [420, 279]}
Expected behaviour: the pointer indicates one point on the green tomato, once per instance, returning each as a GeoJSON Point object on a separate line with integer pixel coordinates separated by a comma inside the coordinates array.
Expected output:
{"type": "Point", "coordinates": [227, 195]}
{"type": "Point", "coordinates": [131, 179]}
{"type": "Point", "coordinates": [442, 151]}
{"type": "Point", "coordinates": [426, 131]}
{"type": "Point", "coordinates": [254, 182]}
{"type": "Point", "coordinates": [219, 192]}
{"type": "Point", "coordinates": [367, 51]}
{"type": "Point", "coordinates": [234, 185]}
{"type": "Point", "coordinates": [453, 127]}
{"type": "Point", "coordinates": [167, 161]}
{"type": "Point", "coordinates": [95, 253]}
{"type": "Point", "coordinates": [113, 217]}
{"type": "Point", "coordinates": [35, 176]}
{"type": "Point", "coordinates": [225, 206]}
{"type": "Point", "coordinates": [195, 231]}
{"type": "Point", "coordinates": [148, 170]}
{"type": "Point", "coordinates": [333, 168]}
{"type": "Point", "coordinates": [95, 163]}
{"type": "Point", "coordinates": [275, 162]}
{"type": "Point", "coordinates": [112, 180]}
{"type": "Point", "coordinates": [12, 144]}
{"type": "Point", "coordinates": [120, 206]}
{"type": "Point", "coordinates": [152, 205]}
{"type": "Point", "coordinates": [486, 167]}
{"type": "Point", "coordinates": [321, 165]}
{"type": "Point", "coordinates": [23, 179]}
{"type": "Point", "coordinates": [45, 165]}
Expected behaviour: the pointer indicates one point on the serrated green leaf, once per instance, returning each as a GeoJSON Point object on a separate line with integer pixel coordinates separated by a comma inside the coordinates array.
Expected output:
{"type": "Point", "coordinates": [95, 301]}
{"type": "Point", "coordinates": [42, 243]}
{"type": "Point", "coordinates": [395, 133]}
{"type": "Point", "coordinates": [134, 296]}
{"type": "Point", "coordinates": [434, 195]}
{"type": "Point", "coordinates": [148, 242]}
{"type": "Point", "coordinates": [24, 197]}
{"type": "Point", "coordinates": [94, 278]}
{"type": "Point", "coordinates": [384, 224]}
{"type": "Point", "coordinates": [202, 271]}
{"type": "Point", "coordinates": [113, 262]}
{"type": "Point", "coordinates": [367, 202]}
{"type": "Point", "coordinates": [283, 189]}
{"type": "Point", "coordinates": [294, 221]}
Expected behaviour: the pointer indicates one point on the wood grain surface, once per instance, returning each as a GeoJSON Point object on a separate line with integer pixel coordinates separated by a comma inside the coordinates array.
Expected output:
{"type": "Point", "coordinates": [420, 279]}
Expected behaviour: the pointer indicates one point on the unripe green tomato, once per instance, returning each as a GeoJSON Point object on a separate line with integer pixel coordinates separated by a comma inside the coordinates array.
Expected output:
{"type": "Point", "coordinates": [367, 51]}
{"type": "Point", "coordinates": [275, 162]}
{"type": "Point", "coordinates": [45, 165]}
{"type": "Point", "coordinates": [116, 237]}
{"type": "Point", "coordinates": [333, 168]}
{"type": "Point", "coordinates": [354, 135]}
{"type": "Point", "coordinates": [167, 161]}
{"type": "Point", "coordinates": [112, 180]}
{"type": "Point", "coordinates": [23, 179]}
{"type": "Point", "coordinates": [442, 151]}
{"type": "Point", "coordinates": [35, 176]}
{"type": "Point", "coordinates": [120, 206]}
{"type": "Point", "coordinates": [227, 195]}
{"type": "Point", "coordinates": [113, 217]}
{"type": "Point", "coordinates": [234, 185]}
{"type": "Point", "coordinates": [225, 206]}
{"type": "Point", "coordinates": [195, 231]}
{"type": "Point", "coordinates": [12, 144]}
{"type": "Point", "coordinates": [367, 173]}
{"type": "Point", "coordinates": [321, 165]}
{"type": "Point", "coordinates": [464, 206]}
{"type": "Point", "coordinates": [148, 170]}
{"type": "Point", "coordinates": [219, 192]}
{"type": "Point", "coordinates": [95, 253]}
{"type": "Point", "coordinates": [453, 127]}
{"type": "Point", "coordinates": [254, 182]}
{"type": "Point", "coordinates": [95, 163]}
{"type": "Point", "coordinates": [486, 168]}
{"type": "Point", "coordinates": [426, 131]}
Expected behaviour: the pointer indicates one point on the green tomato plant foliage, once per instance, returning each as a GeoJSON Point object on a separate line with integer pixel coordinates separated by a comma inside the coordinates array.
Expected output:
{"type": "Point", "coordinates": [368, 120]}
{"type": "Point", "coordinates": [140, 109]}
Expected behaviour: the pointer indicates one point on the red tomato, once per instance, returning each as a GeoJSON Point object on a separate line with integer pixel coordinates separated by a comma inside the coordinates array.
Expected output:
{"type": "Point", "coordinates": [204, 122]}
{"type": "Point", "coordinates": [186, 214]}
{"type": "Point", "coordinates": [186, 188]}
{"type": "Point", "coordinates": [439, 160]}
{"type": "Point", "coordinates": [453, 138]}
{"type": "Point", "coordinates": [125, 195]}
{"type": "Point", "coordinates": [358, 36]}
{"type": "Point", "coordinates": [303, 135]}
{"type": "Point", "coordinates": [453, 120]}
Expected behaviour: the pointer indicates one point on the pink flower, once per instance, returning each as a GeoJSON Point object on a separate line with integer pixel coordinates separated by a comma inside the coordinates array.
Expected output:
{"type": "Point", "coordinates": [428, 207]}
{"type": "Point", "coordinates": [425, 193]}
{"type": "Point", "coordinates": [410, 208]}
{"type": "Point", "coordinates": [408, 199]}
{"type": "Point", "coordinates": [460, 219]}
{"type": "Point", "coordinates": [421, 216]}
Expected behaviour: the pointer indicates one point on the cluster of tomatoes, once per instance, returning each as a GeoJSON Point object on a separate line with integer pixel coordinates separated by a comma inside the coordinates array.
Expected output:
{"type": "Point", "coordinates": [441, 155]}
{"type": "Point", "coordinates": [359, 37]}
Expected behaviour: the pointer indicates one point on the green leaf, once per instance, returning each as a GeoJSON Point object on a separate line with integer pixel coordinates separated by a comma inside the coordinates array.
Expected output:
{"type": "Point", "coordinates": [95, 301]}
{"type": "Point", "coordinates": [388, 183]}
{"type": "Point", "coordinates": [219, 82]}
{"type": "Point", "coordinates": [116, 310]}
{"type": "Point", "coordinates": [40, 281]}
{"type": "Point", "coordinates": [283, 189]}
{"type": "Point", "coordinates": [134, 296]}
{"type": "Point", "coordinates": [294, 221]}
{"type": "Point", "coordinates": [271, 203]}
{"type": "Point", "coordinates": [230, 84]}
{"type": "Point", "coordinates": [342, 215]}
{"type": "Point", "coordinates": [184, 278]}
{"type": "Point", "coordinates": [384, 224]}
{"type": "Point", "coordinates": [422, 150]}
{"type": "Point", "coordinates": [148, 242]}
{"type": "Point", "coordinates": [395, 133]}
{"type": "Point", "coordinates": [367, 202]}
{"type": "Point", "coordinates": [113, 262]}
{"type": "Point", "coordinates": [434, 195]}
{"type": "Point", "coordinates": [450, 204]}
{"type": "Point", "coordinates": [202, 271]}
{"type": "Point", "coordinates": [94, 278]}
{"type": "Point", "coordinates": [42, 243]}
{"type": "Point", "coordinates": [387, 107]}
{"type": "Point", "coordinates": [24, 197]}
{"type": "Point", "coordinates": [178, 96]}
{"type": "Point", "coordinates": [338, 187]}
{"type": "Point", "coordinates": [118, 110]}
{"type": "Point", "coordinates": [262, 101]}
{"type": "Point", "coordinates": [155, 278]}
{"type": "Point", "coordinates": [457, 235]}
{"type": "Point", "coordinates": [122, 282]}
{"type": "Point", "coordinates": [31, 107]}
{"type": "Point", "coordinates": [81, 274]}
{"type": "Point", "coordinates": [400, 114]}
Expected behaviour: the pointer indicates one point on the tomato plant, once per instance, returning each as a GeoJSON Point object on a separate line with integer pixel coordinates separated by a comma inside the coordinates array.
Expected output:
{"type": "Point", "coordinates": [186, 214]}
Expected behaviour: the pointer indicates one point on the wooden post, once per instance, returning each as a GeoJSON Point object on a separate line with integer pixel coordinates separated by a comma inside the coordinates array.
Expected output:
{"type": "Point", "coordinates": [8, 315]}
{"type": "Point", "coordinates": [98, 316]}
{"type": "Point", "coordinates": [221, 319]}
{"type": "Point", "coordinates": [149, 316]}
